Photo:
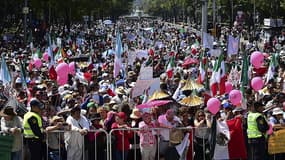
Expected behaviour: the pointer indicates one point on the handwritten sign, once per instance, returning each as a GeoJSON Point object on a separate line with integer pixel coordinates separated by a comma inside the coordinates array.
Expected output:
{"type": "Point", "coordinates": [140, 87]}
{"type": "Point", "coordinates": [276, 143]}
{"type": "Point", "coordinates": [146, 73]}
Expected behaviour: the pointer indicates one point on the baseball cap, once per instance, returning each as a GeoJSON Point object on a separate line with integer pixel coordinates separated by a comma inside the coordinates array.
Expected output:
{"type": "Point", "coordinates": [36, 102]}
{"type": "Point", "coordinates": [121, 115]}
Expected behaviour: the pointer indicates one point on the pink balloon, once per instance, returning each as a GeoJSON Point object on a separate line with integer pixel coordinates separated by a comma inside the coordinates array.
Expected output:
{"type": "Point", "coordinates": [256, 59]}
{"type": "Point", "coordinates": [213, 105]}
{"type": "Point", "coordinates": [270, 130]}
{"type": "Point", "coordinates": [235, 97]}
{"type": "Point", "coordinates": [71, 68]}
{"type": "Point", "coordinates": [45, 56]}
{"type": "Point", "coordinates": [229, 87]}
{"type": "Point", "coordinates": [62, 80]}
{"type": "Point", "coordinates": [38, 63]}
{"type": "Point", "coordinates": [62, 69]}
{"type": "Point", "coordinates": [257, 83]}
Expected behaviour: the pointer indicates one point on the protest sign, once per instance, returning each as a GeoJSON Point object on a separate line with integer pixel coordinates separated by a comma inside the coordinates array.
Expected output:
{"type": "Point", "coordinates": [276, 142]}
{"type": "Point", "coordinates": [140, 87]}
{"type": "Point", "coordinates": [146, 73]}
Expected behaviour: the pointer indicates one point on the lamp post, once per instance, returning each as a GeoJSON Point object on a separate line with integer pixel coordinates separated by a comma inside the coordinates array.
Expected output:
{"type": "Point", "coordinates": [204, 16]}
{"type": "Point", "coordinates": [25, 12]}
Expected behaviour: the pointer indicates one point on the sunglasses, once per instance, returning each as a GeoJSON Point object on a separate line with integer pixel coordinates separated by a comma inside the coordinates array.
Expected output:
{"type": "Point", "coordinates": [201, 115]}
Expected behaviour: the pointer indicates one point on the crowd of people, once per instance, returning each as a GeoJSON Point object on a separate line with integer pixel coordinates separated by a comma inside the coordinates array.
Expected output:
{"type": "Point", "coordinates": [77, 116]}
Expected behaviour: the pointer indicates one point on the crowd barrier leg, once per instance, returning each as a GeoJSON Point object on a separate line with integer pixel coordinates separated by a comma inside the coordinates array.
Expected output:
{"type": "Point", "coordinates": [47, 155]}
{"type": "Point", "coordinates": [192, 143]}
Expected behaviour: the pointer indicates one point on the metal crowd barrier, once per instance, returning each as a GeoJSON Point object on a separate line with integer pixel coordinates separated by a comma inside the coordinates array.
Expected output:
{"type": "Point", "coordinates": [85, 150]}
{"type": "Point", "coordinates": [158, 140]}
{"type": "Point", "coordinates": [109, 146]}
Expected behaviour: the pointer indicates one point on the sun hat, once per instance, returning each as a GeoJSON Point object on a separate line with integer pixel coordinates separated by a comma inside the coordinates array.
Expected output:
{"type": "Point", "coordinates": [7, 111]}
{"type": "Point", "coordinates": [277, 111]}
{"type": "Point", "coordinates": [136, 114]}
{"type": "Point", "coordinates": [56, 118]}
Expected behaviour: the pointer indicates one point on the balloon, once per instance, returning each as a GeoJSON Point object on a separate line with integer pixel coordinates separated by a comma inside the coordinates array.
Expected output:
{"type": "Point", "coordinates": [235, 97]}
{"type": "Point", "coordinates": [71, 68]}
{"type": "Point", "coordinates": [256, 59]}
{"type": "Point", "coordinates": [270, 130]}
{"type": "Point", "coordinates": [229, 87]}
{"type": "Point", "coordinates": [257, 83]}
{"type": "Point", "coordinates": [62, 80]}
{"type": "Point", "coordinates": [213, 105]}
{"type": "Point", "coordinates": [38, 63]}
{"type": "Point", "coordinates": [45, 56]}
{"type": "Point", "coordinates": [62, 69]}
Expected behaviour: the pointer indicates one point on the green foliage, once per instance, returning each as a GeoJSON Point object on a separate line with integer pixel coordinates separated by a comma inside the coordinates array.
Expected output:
{"type": "Point", "coordinates": [65, 10]}
{"type": "Point", "coordinates": [175, 8]}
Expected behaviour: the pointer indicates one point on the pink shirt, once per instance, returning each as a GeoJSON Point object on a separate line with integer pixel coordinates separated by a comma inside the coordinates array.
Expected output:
{"type": "Point", "coordinates": [147, 135]}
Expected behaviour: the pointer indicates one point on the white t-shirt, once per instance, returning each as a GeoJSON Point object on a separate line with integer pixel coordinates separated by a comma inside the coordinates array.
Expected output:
{"type": "Point", "coordinates": [165, 132]}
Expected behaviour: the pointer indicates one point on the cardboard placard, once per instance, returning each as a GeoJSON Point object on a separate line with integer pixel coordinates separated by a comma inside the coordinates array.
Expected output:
{"type": "Point", "coordinates": [276, 142]}
{"type": "Point", "coordinates": [146, 73]}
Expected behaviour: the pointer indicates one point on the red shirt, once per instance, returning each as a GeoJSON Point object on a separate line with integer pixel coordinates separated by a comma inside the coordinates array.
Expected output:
{"type": "Point", "coordinates": [119, 138]}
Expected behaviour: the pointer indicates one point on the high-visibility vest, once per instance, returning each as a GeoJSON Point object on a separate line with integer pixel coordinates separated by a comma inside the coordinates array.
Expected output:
{"type": "Point", "coordinates": [28, 133]}
{"type": "Point", "coordinates": [252, 129]}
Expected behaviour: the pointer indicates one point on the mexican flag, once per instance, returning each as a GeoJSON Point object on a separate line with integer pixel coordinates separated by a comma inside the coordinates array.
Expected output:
{"type": "Point", "coordinates": [245, 76]}
{"type": "Point", "coordinates": [170, 66]}
{"type": "Point", "coordinates": [230, 142]}
{"type": "Point", "coordinates": [273, 64]}
{"type": "Point", "coordinates": [216, 75]}
{"type": "Point", "coordinates": [58, 56]}
{"type": "Point", "coordinates": [202, 72]}
{"type": "Point", "coordinates": [222, 84]}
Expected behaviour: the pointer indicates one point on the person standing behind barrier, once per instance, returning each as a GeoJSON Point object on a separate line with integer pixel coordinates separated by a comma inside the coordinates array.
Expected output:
{"type": "Point", "coordinates": [166, 121]}
{"type": "Point", "coordinates": [202, 125]}
{"type": "Point", "coordinates": [256, 132]}
{"type": "Point", "coordinates": [97, 140]}
{"type": "Point", "coordinates": [55, 139]}
{"type": "Point", "coordinates": [74, 140]}
{"type": "Point", "coordinates": [147, 137]}
{"type": "Point", "coordinates": [12, 124]}
{"type": "Point", "coordinates": [122, 137]}
{"type": "Point", "coordinates": [33, 130]}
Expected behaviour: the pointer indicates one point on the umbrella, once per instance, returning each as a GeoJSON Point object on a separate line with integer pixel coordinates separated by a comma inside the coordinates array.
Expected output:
{"type": "Point", "coordinates": [153, 103]}
{"type": "Point", "coordinates": [191, 85]}
{"type": "Point", "coordinates": [191, 101]}
{"type": "Point", "coordinates": [158, 95]}
{"type": "Point", "coordinates": [189, 61]}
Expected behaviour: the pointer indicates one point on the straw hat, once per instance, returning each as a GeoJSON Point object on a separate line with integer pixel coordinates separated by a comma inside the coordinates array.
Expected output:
{"type": "Point", "coordinates": [158, 95]}
{"type": "Point", "coordinates": [8, 111]}
{"type": "Point", "coordinates": [56, 118]}
{"type": "Point", "coordinates": [191, 101]}
{"type": "Point", "coordinates": [136, 114]}
{"type": "Point", "coordinates": [191, 85]}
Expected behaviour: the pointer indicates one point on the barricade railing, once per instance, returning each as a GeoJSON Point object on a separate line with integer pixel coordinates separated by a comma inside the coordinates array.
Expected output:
{"type": "Point", "coordinates": [107, 149]}
{"type": "Point", "coordinates": [89, 150]}
{"type": "Point", "coordinates": [159, 139]}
